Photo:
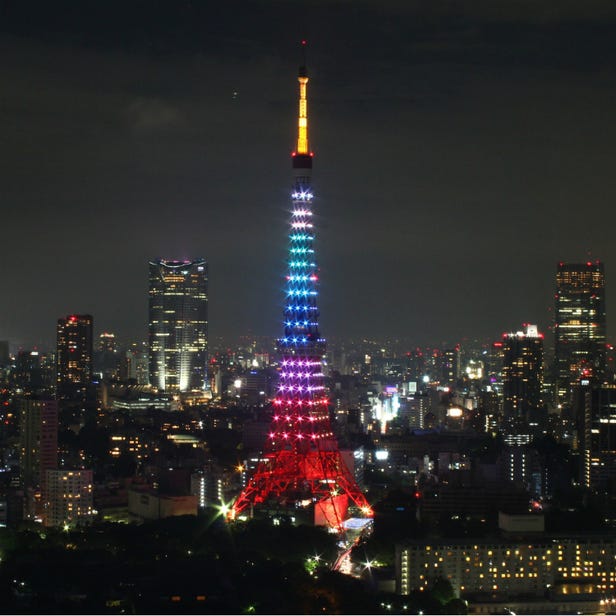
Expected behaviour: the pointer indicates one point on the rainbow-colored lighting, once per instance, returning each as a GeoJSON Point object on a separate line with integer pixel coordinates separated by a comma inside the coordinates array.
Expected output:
{"type": "Point", "coordinates": [301, 463]}
{"type": "Point", "coordinates": [301, 333]}
{"type": "Point", "coordinates": [301, 386]}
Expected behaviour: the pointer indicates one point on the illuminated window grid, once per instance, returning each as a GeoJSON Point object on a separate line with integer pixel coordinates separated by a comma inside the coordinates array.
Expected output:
{"type": "Point", "coordinates": [514, 568]}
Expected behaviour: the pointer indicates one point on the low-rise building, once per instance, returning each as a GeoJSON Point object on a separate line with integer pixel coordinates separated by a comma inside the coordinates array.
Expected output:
{"type": "Point", "coordinates": [146, 504]}
{"type": "Point", "coordinates": [507, 567]}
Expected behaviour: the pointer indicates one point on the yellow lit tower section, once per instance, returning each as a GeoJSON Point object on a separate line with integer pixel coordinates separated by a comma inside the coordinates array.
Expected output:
{"type": "Point", "coordinates": [302, 135]}
{"type": "Point", "coordinates": [302, 157]}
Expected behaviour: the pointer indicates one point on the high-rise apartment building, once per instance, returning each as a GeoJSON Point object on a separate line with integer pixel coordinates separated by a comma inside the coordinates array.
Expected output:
{"type": "Point", "coordinates": [38, 453]}
{"type": "Point", "coordinates": [74, 356]}
{"type": "Point", "coordinates": [178, 325]}
{"type": "Point", "coordinates": [69, 498]}
{"type": "Point", "coordinates": [522, 374]}
{"type": "Point", "coordinates": [579, 328]}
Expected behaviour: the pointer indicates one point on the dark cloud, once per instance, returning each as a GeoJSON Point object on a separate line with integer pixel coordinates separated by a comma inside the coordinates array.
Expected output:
{"type": "Point", "coordinates": [152, 114]}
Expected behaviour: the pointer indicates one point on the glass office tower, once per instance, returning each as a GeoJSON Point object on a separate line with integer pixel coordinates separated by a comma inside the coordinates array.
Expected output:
{"type": "Point", "coordinates": [178, 325]}
{"type": "Point", "coordinates": [579, 328]}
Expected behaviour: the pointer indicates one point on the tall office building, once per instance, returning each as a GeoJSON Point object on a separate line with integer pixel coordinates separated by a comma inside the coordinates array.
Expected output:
{"type": "Point", "coordinates": [178, 325]}
{"type": "Point", "coordinates": [38, 450]}
{"type": "Point", "coordinates": [579, 328]}
{"type": "Point", "coordinates": [522, 374]}
{"type": "Point", "coordinates": [74, 356]}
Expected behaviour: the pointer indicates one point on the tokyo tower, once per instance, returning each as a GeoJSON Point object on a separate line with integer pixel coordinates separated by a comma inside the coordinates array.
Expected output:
{"type": "Point", "coordinates": [301, 468]}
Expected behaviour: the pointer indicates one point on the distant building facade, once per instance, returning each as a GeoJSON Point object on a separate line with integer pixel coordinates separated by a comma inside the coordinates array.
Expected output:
{"type": "Point", "coordinates": [178, 323]}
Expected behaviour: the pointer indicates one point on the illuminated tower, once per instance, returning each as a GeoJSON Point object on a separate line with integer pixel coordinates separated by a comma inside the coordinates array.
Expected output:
{"type": "Point", "coordinates": [178, 325]}
{"type": "Point", "coordinates": [579, 328]}
{"type": "Point", "coordinates": [301, 467]}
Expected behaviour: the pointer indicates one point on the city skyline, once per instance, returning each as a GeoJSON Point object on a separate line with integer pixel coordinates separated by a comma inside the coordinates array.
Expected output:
{"type": "Point", "coordinates": [458, 150]}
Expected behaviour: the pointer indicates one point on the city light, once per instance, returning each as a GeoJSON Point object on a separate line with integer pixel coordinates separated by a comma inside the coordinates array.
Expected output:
{"type": "Point", "coordinates": [186, 466]}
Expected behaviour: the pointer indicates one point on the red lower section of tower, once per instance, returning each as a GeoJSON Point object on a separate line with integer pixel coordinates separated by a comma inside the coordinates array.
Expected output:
{"type": "Point", "coordinates": [296, 479]}
{"type": "Point", "coordinates": [301, 466]}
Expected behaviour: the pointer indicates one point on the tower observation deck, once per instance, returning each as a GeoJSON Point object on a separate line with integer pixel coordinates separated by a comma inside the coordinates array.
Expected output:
{"type": "Point", "coordinates": [301, 469]}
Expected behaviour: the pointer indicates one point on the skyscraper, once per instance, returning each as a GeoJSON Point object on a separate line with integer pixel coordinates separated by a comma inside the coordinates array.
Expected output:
{"type": "Point", "coordinates": [74, 356]}
{"type": "Point", "coordinates": [579, 328]}
{"type": "Point", "coordinates": [302, 469]}
{"type": "Point", "coordinates": [178, 325]}
{"type": "Point", "coordinates": [522, 374]}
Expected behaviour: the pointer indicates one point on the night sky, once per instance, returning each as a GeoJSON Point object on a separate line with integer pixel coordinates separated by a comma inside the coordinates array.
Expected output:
{"type": "Point", "coordinates": [461, 150]}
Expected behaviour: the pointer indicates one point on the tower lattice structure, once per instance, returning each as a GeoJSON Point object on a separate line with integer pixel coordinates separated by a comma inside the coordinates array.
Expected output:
{"type": "Point", "coordinates": [301, 465]}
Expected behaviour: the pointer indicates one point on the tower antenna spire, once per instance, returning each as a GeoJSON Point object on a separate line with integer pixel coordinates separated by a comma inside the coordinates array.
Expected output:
{"type": "Point", "coordinates": [302, 134]}
{"type": "Point", "coordinates": [303, 65]}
